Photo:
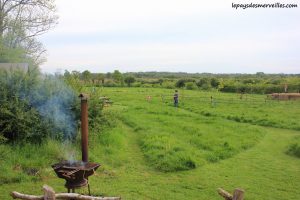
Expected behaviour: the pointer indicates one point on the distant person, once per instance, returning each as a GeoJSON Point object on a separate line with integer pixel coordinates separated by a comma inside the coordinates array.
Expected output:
{"type": "Point", "coordinates": [175, 97]}
{"type": "Point", "coordinates": [285, 88]}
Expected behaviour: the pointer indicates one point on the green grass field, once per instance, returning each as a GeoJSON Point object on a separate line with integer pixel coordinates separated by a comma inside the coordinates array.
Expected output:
{"type": "Point", "coordinates": [157, 151]}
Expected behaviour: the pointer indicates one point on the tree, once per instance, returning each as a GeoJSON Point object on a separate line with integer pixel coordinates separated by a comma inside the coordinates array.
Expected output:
{"type": "Point", "coordinates": [21, 21]}
{"type": "Point", "coordinates": [129, 80]}
{"type": "Point", "coordinates": [191, 86]}
{"type": "Point", "coordinates": [214, 82]}
{"type": "Point", "coordinates": [100, 77]}
{"type": "Point", "coordinates": [160, 81]}
{"type": "Point", "coordinates": [108, 75]}
{"type": "Point", "coordinates": [180, 83]}
{"type": "Point", "coordinates": [203, 81]}
{"type": "Point", "coordinates": [86, 75]}
{"type": "Point", "coordinates": [117, 76]}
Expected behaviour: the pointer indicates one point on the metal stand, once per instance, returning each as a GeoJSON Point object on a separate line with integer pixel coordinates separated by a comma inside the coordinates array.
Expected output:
{"type": "Point", "coordinates": [72, 190]}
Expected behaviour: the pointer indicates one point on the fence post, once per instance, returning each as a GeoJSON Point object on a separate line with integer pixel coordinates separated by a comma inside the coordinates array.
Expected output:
{"type": "Point", "coordinates": [49, 193]}
{"type": "Point", "coordinates": [238, 194]}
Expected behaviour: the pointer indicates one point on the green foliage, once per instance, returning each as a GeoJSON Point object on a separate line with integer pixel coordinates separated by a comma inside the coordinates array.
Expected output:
{"type": "Point", "coordinates": [234, 83]}
{"type": "Point", "coordinates": [168, 85]}
{"type": "Point", "coordinates": [86, 75]}
{"type": "Point", "coordinates": [110, 83]}
{"type": "Point", "coordinates": [180, 83]}
{"type": "Point", "coordinates": [129, 80]}
{"type": "Point", "coordinates": [73, 80]}
{"type": "Point", "coordinates": [18, 121]}
{"type": "Point", "coordinates": [35, 107]}
{"type": "Point", "coordinates": [191, 86]}
{"type": "Point", "coordinates": [8, 55]}
{"type": "Point", "coordinates": [214, 82]}
{"type": "Point", "coordinates": [203, 82]}
{"type": "Point", "coordinates": [118, 77]}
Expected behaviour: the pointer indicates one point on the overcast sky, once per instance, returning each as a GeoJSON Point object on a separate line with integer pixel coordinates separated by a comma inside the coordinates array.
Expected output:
{"type": "Point", "coordinates": [173, 35]}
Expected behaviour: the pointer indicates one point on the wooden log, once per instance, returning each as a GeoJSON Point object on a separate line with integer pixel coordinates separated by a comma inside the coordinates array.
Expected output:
{"type": "Point", "coordinates": [238, 194]}
{"type": "Point", "coordinates": [226, 195]}
{"type": "Point", "coordinates": [17, 195]}
{"type": "Point", "coordinates": [49, 194]}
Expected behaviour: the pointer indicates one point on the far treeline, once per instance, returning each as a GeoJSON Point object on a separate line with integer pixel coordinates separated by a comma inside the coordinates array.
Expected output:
{"type": "Point", "coordinates": [259, 83]}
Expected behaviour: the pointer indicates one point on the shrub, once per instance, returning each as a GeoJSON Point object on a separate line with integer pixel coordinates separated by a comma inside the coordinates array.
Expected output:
{"type": "Point", "coordinates": [168, 85]}
{"type": "Point", "coordinates": [204, 82]}
{"type": "Point", "coordinates": [34, 107]}
{"type": "Point", "coordinates": [129, 80]}
{"type": "Point", "coordinates": [191, 86]}
{"type": "Point", "coordinates": [110, 83]}
{"type": "Point", "coordinates": [180, 83]}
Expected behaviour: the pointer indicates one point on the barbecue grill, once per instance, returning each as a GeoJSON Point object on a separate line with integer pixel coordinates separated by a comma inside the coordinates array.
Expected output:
{"type": "Point", "coordinates": [76, 173]}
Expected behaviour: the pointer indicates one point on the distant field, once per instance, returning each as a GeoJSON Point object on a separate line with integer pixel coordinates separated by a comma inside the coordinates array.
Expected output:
{"type": "Point", "coordinates": [157, 151]}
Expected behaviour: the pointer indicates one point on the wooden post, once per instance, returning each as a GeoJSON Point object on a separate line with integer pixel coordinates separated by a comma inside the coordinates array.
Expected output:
{"type": "Point", "coordinates": [226, 195]}
{"type": "Point", "coordinates": [238, 194]}
{"type": "Point", "coordinates": [49, 193]}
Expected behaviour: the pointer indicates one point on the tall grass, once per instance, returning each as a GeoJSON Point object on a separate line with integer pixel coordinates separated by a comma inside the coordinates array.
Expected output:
{"type": "Point", "coordinates": [166, 154]}
{"type": "Point", "coordinates": [28, 162]}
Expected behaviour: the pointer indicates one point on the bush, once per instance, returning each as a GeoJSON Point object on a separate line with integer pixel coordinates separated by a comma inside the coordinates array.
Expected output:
{"type": "Point", "coordinates": [129, 80]}
{"type": "Point", "coordinates": [110, 83]}
{"type": "Point", "coordinates": [168, 85]}
{"type": "Point", "coordinates": [180, 83]}
{"type": "Point", "coordinates": [191, 86]}
{"type": "Point", "coordinates": [204, 82]}
{"type": "Point", "coordinates": [34, 107]}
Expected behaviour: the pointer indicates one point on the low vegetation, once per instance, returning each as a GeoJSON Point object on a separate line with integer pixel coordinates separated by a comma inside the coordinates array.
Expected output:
{"type": "Point", "coordinates": [258, 83]}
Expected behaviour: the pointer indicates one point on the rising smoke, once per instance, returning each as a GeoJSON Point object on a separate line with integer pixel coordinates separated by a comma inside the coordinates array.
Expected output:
{"type": "Point", "coordinates": [56, 103]}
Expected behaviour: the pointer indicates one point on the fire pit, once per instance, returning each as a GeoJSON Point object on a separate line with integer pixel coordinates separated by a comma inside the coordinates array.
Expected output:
{"type": "Point", "coordinates": [76, 173]}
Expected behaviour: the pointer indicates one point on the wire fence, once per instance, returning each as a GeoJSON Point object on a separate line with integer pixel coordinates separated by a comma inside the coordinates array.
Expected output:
{"type": "Point", "coordinates": [213, 100]}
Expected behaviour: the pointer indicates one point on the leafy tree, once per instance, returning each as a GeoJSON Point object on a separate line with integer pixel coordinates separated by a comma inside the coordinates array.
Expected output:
{"type": "Point", "coordinates": [86, 75]}
{"type": "Point", "coordinates": [22, 21]}
{"type": "Point", "coordinates": [191, 86]}
{"type": "Point", "coordinates": [160, 81]}
{"type": "Point", "coordinates": [180, 83]}
{"type": "Point", "coordinates": [117, 76]}
{"type": "Point", "coordinates": [221, 85]}
{"type": "Point", "coordinates": [214, 82]}
{"type": "Point", "coordinates": [67, 74]}
{"type": "Point", "coordinates": [129, 80]}
{"type": "Point", "coordinates": [108, 75]}
{"type": "Point", "coordinates": [203, 81]}
{"type": "Point", "coordinates": [100, 78]}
